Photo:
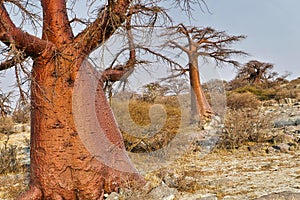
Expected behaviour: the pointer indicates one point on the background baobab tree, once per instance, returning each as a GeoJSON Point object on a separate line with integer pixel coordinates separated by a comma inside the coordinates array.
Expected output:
{"type": "Point", "coordinates": [257, 72]}
{"type": "Point", "coordinates": [61, 166]}
{"type": "Point", "coordinates": [206, 43]}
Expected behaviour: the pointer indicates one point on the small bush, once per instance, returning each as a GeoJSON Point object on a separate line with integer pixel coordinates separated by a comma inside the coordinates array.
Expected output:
{"type": "Point", "coordinates": [243, 126]}
{"type": "Point", "coordinates": [285, 93]}
{"type": "Point", "coordinates": [6, 125]}
{"type": "Point", "coordinates": [21, 116]}
{"type": "Point", "coordinates": [242, 100]}
{"type": "Point", "coordinates": [148, 126]}
{"type": "Point", "coordinates": [8, 159]}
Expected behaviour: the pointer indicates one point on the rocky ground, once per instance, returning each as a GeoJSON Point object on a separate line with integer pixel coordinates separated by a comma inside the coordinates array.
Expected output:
{"type": "Point", "coordinates": [254, 171]}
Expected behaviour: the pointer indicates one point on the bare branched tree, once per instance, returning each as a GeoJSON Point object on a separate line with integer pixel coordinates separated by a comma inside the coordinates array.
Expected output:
{"type": "Point", "coordinates": [205, 43]}
{"type": "Point", "coordinates": [142, 21]}
{"type": "Point", "coordinates": [176, 86]}
{"type": "Point", "coordinates": [257, 72]}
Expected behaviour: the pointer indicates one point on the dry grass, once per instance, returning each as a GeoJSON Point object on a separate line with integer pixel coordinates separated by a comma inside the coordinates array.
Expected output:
{"type": "Point", "coordinates": [13, 184]}
{"type": "Point", "coordinates": [13, 174]}
{"type": "Point", "coordinates": [242, 100]}
{"type": "Point", "coordinates": [148, 126]}
{"type": "Point", "coordinates": [158, 122]}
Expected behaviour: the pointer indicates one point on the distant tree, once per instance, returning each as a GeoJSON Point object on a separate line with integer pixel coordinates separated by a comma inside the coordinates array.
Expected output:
{"type": "Point", "coordinates": [153, 90]}
{"type": "Point", "coordinates": [206, 43]}
{"type": "Point", "coordinates": [256, 72]}
{"type": "Point", "coordinates": [176, 86]}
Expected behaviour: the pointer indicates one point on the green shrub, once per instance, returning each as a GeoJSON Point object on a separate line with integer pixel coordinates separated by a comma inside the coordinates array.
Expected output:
{"type": "Point", "coordinates": [286, 93]}
{"type": "Point", "coordinates": [261, 93]}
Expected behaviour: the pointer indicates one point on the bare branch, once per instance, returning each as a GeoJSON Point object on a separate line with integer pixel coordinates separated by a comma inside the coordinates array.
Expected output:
{"type": "Point", "coordinates": [175, 75]}
{"type": "Point", "coordinates": [13, 36]}
{"type": "Point", "coordinates": [23, 95]}
{"type": "Point", "coordinates": [26, 9]}
{"type": "Point", "coordinates": [164, 58]}
{"type": "Point", "coordinates": [176, 45]}
{"type": "Point", "coordinates": [108, 21]}
{"type": "Point", "coordinates": [149, 15]}
{"type": "Point", "coordinates": [12, 62]}
{"type": "Point", "coordinates": [158, 55]}
{"type": "Point", "coordinates": [187, 5]}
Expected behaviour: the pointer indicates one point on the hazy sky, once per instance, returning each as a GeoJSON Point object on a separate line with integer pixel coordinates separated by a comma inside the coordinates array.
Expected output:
{"type": "Point", "coordinates": [271, 26]}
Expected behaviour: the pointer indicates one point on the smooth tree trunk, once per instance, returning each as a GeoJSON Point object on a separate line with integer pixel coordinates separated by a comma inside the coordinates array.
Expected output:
{"type": "Point", "coordinates": [61, 166]}
{"type": "Point", "coordinates": [200, 108]}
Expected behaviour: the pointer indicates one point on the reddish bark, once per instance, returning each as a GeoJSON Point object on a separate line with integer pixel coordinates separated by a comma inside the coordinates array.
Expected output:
{"type": "Point", "coordinates": [61, 166]}
{"type": "Point", "coordinates": [200, 107]}
{"type": "Point", "coordinates": [114, 75]}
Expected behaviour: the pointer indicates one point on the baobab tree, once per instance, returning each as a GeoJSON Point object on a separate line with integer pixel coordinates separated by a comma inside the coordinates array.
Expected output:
{"type": "Point", "coordinates": [62, 167]}
{"type": "Point", "coordinates": [256, 72]}
{"type": "Point", "coordinates": [206, 43]}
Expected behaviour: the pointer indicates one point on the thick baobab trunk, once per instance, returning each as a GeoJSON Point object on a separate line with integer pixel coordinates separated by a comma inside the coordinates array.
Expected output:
{"type": "Point", "coordinates": [61, 166]}
{"type": "Point", "coordinates": [65, 165]}
{"type": "Point", "coordinates": [200, 108]}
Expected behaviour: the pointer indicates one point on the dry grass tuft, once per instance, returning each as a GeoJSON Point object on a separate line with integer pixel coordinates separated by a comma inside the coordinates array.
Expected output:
{"type": "Point", "coordinates": [242, 100]}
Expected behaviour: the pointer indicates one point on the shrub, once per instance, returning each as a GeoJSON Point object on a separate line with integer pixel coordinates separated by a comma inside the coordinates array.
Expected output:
{"type": "Point", "coordinates": [243, 126]}
{"type": "Point", "coordinates": [146, 130]}
{"type": "Point", "coordinates": [21, 116]}
{"type": "Point", "coordinates": [285, 93]}
{"type": "Point", "coordinates": [261, 93]}
{"type": "Point", "coordinates": [8, 158]}
{"type": "Point", "coordinates": [242, 100]}
{"type": "Point", "coordinates": [6, 125]}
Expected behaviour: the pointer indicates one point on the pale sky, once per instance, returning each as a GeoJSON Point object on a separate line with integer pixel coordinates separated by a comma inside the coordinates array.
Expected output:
{"type": "Point", "coordinates": [271, 26]}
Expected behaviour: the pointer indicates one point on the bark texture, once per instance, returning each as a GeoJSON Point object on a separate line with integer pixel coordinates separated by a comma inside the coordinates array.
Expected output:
{"type": "Point", "coordinates": [62, 167]}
